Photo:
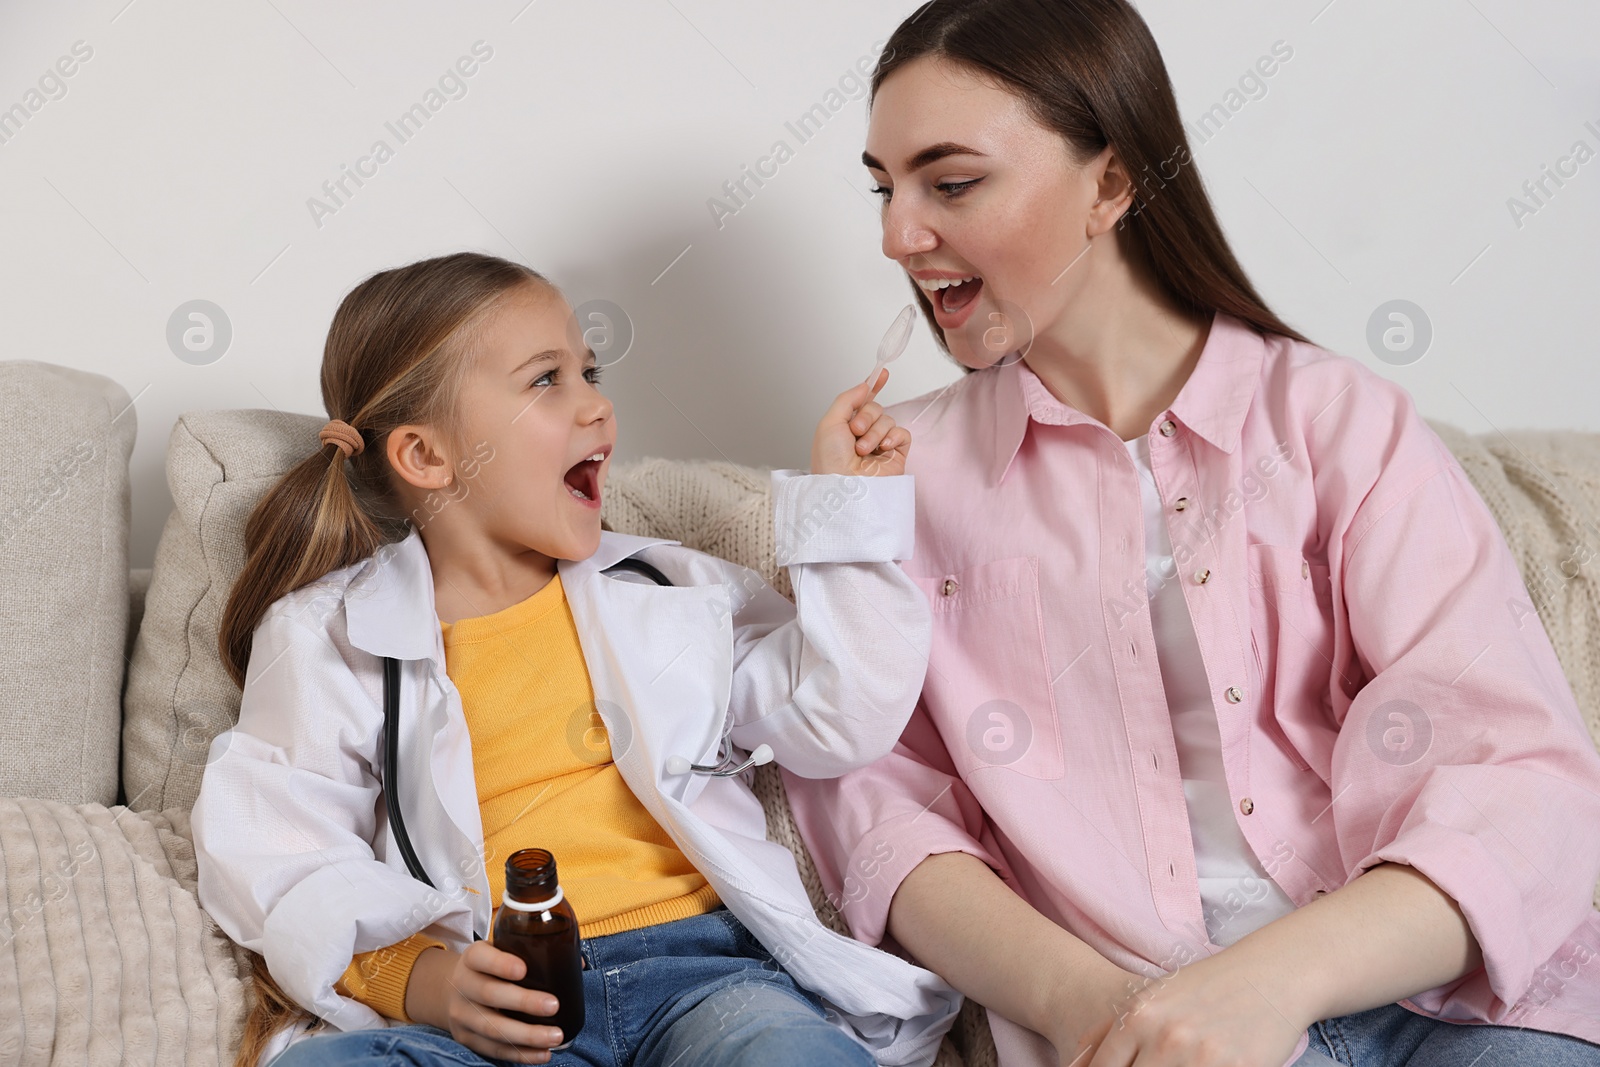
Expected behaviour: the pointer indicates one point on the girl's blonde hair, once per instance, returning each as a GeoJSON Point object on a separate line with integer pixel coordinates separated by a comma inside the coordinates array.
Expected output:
{"type": "Point", "coordinates": [400, 347]}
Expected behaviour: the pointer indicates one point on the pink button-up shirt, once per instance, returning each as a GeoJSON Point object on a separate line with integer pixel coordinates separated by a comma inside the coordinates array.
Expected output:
{"type": "Point", "coordinates": [1382, 683]}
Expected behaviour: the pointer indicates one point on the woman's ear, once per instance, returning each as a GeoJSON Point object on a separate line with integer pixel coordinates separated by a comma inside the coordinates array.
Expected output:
{"type": "Point", "coordinates": [1114, 191]}
{"type": "Point", "coordinates": [416, 455]}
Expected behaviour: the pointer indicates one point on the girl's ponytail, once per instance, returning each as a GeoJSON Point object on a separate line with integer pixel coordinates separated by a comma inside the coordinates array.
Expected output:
{"type": "Point", "coordinates": [305, 526]}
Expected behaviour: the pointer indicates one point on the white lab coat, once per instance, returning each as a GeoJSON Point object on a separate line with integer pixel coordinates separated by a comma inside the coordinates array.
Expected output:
{"type": "Point", "coordinates": [291, 836]}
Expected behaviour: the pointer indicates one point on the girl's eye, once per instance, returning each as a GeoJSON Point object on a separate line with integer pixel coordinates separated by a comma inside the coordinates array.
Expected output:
{"type": "Point", "coordinates": [590, 374]}
{"type": "Point", "coordinates": [881, 192]}
{"type": "Point", "coordinates": [951, 190]}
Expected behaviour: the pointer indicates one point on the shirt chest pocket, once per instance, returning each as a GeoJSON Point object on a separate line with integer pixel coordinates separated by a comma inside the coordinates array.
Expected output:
{"type": "Point", "coordinates": [988, 684]}
{"type": "Point", "coordinates": [1292, 635]}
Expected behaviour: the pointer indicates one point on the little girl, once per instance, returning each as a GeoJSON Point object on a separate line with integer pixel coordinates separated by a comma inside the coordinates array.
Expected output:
{"type": "Point", "coordinates": [450, 521]}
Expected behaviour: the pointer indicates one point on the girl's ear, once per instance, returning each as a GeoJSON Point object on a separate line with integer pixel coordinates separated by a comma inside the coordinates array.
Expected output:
{"type": "Point", "coordinates": [417, 455]}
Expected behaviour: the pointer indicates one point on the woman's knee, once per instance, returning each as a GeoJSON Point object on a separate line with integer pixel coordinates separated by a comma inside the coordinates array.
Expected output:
{"type": "Point", "coordinates": [1452, 1044]}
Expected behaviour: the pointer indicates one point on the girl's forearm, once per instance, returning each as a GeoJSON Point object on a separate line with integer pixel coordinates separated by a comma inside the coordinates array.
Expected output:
{"type": "Point", "coordinates": [1386, 935]}
{"type": "Point", "coordinates": [961, 921]}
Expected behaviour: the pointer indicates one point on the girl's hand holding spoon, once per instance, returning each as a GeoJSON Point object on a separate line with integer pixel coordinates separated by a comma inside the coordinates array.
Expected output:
{"type": "Point", "coordinates": [855, 436]}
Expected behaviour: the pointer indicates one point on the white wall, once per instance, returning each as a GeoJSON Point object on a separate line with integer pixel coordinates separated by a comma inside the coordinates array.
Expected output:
{"type": "Point", "coordinates": [178, 164]}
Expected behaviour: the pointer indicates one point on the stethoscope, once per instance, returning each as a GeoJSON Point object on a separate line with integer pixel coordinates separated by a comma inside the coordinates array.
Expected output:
{"type": "Point", "coordinates": [724, 767]}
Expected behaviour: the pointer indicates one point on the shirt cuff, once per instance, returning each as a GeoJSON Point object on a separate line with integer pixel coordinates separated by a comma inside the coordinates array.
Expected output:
{"type": "Point", "coordinates": [842, 518]}
{"type": "Point", "coordinates": [378, 978]}
{"type": "Point", "coordinates": [885, 855]}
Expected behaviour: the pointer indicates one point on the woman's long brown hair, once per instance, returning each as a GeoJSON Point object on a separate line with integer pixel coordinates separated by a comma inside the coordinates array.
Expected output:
{"type": "Point", "coordinates": [398, 350]}
{"type": "Point", "coordinates": [1091, 71]}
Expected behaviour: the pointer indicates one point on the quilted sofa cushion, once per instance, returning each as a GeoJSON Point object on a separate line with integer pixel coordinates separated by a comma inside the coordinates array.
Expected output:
{"type": "Point", "coordinates": [179, 696]}
{"type": "Point", "coordinates": [64, 507]}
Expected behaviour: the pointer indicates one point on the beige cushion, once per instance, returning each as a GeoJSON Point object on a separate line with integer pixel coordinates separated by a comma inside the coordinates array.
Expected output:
{"type": "Point", "coordinates": [105, 954]}
{"type": "Point", "coordinates": [179, 696]}
{"type": "Point", "coordinates": [63, 580]}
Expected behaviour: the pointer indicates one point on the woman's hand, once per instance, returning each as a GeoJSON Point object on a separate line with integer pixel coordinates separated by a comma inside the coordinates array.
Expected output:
{"type": "Point", "coordinates": [467, 994]}
{"type": "Point", "coordinates": [1207, 1014]}
{"type": "Point", "coordinates": [1080, 1004]}
{"type": "Point", "coordinates": [856, 437]}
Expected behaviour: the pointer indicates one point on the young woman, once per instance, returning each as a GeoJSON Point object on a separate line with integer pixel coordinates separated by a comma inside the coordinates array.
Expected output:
{"type": "Point", "coordinates": [546, 703]}
{"type": "Point", "coordinates": [1241, 742]}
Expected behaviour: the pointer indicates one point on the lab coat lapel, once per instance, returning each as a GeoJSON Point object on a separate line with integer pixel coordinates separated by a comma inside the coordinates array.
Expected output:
{"type": "Point", "coordinates": [660, 663]}
{"type": "Point", "coordinates": [389, 611]}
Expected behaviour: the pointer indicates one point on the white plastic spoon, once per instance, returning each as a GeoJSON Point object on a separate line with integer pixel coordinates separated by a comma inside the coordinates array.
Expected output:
{"type": "Point", "coordinates": [894, 340]}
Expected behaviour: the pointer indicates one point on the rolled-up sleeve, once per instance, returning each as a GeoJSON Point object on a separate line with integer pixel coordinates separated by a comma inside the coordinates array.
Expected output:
{"type": "Point", "coordinates": [870, 828]}
{"type": "Point", "coordinates": [1464, 755]}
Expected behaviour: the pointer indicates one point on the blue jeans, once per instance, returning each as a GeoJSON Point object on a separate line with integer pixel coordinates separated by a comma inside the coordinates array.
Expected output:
{"type": "Point", "coordinates": [1394, 1036]}
{"type": "Point", "coordinates": [700, 991]}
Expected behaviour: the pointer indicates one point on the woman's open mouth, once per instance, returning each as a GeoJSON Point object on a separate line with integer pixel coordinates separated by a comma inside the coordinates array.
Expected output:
{"type": "Point", "coordinates": [583, 480]}
{"type": "Point", "coordinates": [952, 296]}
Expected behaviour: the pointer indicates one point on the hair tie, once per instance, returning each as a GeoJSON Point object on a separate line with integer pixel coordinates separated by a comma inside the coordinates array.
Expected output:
{"type": "Point", "coordinates": [342, 436]}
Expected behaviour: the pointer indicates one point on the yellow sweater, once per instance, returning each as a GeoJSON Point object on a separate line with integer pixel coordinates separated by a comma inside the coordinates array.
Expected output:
{"type": "Point", "coordinates": [545, 779]}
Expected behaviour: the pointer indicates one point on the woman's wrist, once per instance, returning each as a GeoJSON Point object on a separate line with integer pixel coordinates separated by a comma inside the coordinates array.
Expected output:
{"type": "Point", "coordinates": [1076, 996]}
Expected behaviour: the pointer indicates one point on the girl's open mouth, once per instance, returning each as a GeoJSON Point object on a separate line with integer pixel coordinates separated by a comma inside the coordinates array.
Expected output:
{"type": "Point", "coordinates": [583, 480]}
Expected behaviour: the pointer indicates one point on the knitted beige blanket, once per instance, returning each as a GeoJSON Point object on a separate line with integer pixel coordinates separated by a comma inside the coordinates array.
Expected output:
{"type": "Point", "coordinates": [105, 955]}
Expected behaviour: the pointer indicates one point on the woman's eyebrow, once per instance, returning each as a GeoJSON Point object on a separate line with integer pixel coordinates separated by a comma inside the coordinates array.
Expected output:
{"type": "Point", "coordinates": [928, 155]}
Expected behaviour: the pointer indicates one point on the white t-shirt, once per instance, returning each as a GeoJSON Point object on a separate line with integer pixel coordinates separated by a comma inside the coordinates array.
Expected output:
{"type": "Point", "coordinates": [1235, 891]}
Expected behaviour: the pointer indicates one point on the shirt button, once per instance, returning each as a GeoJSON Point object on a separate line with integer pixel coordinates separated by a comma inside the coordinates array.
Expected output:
{"type": "Point", "coordinates": [1201, 577]}
{"type": "Point", "coordinates": [949, 586]}
{"type": "Point", "coordinates": [1168, 428]}
{"type": "Point", "coordinates": [1234, 694]}
{"type": "Point", "coordinates": [1181, 503]}
{"type": "Point", "coordinates": [1305, 569]}
{"type": "Point", "coordinates": [1247, 805]}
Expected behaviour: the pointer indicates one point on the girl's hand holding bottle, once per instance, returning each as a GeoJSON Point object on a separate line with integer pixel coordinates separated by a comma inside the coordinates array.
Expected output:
{"type": "Point", "coordinates": [469, 994]}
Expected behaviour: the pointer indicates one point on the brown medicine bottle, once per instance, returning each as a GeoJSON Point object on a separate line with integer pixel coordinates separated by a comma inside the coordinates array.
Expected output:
{"type": "Point", "coordinates": [536, 922]}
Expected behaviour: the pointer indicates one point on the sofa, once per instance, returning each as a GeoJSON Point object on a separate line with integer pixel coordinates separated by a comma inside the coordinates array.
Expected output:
{"type": "Point", "coordinates": [111, 690]}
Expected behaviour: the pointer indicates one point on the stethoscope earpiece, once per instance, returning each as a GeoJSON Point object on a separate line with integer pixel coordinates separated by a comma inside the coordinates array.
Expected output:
{"type": "Point", "coordinates": [724, 767]}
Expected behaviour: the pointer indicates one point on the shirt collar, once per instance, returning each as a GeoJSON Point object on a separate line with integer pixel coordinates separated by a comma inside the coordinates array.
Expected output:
{"type": "Point", "coordinates": [389, 607]}
{"type": "Point", "coordinates": [1212, 403]}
